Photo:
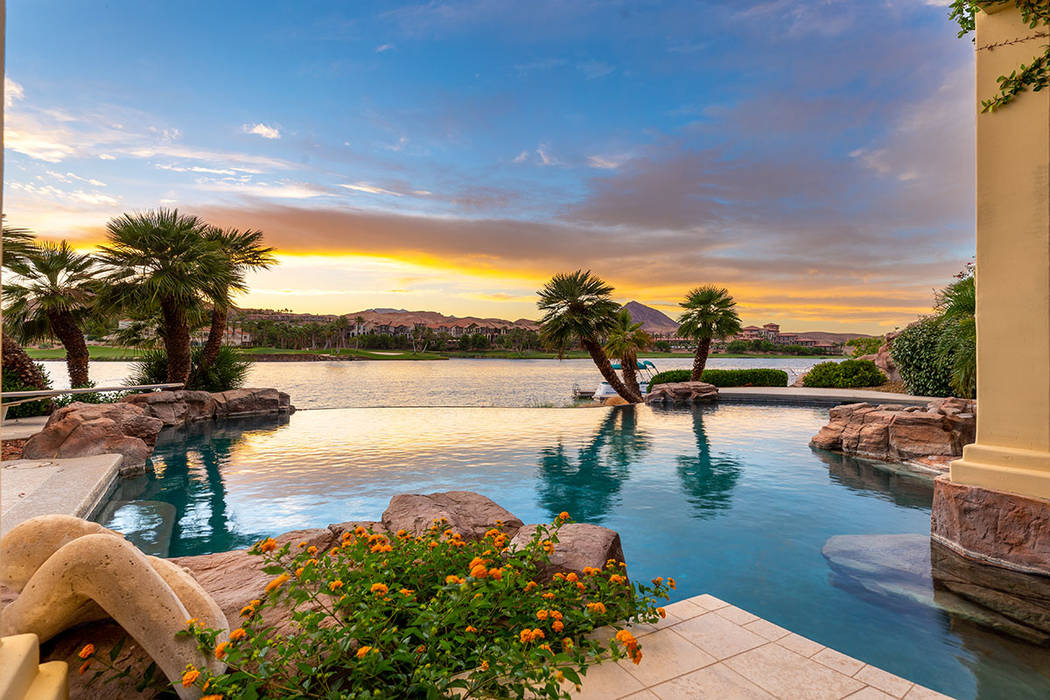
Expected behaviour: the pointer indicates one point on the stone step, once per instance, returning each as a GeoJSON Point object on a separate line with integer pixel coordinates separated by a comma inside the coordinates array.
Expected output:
{"type": "Point", "coordinates": [23, 676]}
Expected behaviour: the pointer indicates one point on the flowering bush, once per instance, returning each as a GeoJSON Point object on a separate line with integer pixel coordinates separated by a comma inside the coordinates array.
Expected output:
{"type": "Point", "coordinates": [396, 616]}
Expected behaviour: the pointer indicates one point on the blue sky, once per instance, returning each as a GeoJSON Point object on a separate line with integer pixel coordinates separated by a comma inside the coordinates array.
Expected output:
{"type": "Point", "coordinates": [815, 156]}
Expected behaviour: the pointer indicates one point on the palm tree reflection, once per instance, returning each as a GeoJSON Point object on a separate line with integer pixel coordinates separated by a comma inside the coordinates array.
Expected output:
{"type": "Point", "coordinates": [707, 478]}
{"type": "Point", "coordinates": [587, 487]}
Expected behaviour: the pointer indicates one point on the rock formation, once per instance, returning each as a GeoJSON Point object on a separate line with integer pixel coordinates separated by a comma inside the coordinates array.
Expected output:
{"type": "Point", "coordinates": [130, 427]}
{"type": "Point", "coordinates": [468, 513]}
{"type": "Point", "coordinates": [898, 433]}
{"type": "Point", "coordinates": [675, 393]}
{"type": "Point", "coordinates": [68, 571]}
{"type": "Point", "coordinates": [579, 545]}
{"type": "Point", "coordinates": [884, 360]}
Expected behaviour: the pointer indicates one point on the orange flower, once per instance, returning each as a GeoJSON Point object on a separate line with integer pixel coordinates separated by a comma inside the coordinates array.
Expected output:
{"type": "Point", "coordinates": [572, 577]}
{"type": "Point", "coordinates": [537, 634]}
{"type": "Point", "coordinates": [363, 651]}
{"type": "Point", "coordinates": [661, 612]}
{"type": "Point", "coordinates": [333, 552]}
{"type": "Point", "coordinates": [238, 634]}
{"type": "Point", "coordinates": [476, 561]}
{"type": "Point", "coordinates": [530, 585]}
{"type": "Point", "coordinates": [299, 571]}
{"type": "Point", "coordinates": [471, 629]}
{"type": "Point", "coordinates": [548, 596]}
{"type": "Point", "coordinates": [458, 543]}
{"type": "Point", "coordinates": [485, 665]}
{"type": "Point", "coordinates": [407, 592]}
{"type": "Point", "coordinates": [548, 546]}
{"type": "Point", "coordinates": [626, 637]}
{"type": "Point", "coordinates": [247, 610]}
{"type": "Point", "coordinates": [213, 696]}
{"type": "Point", "coordinates": [596, 608]}
{"type": "Point", "coordinates": [432, 545]}
{"type": "Point", "coordinates": [479, 571]}
{"type": "Point", "coordinates": [546, 646]}
{"type": "Point", "coordinates": [564, 515]}
{"type": "Point", "coordinates": [453, 579]}
{"type": "Point", "coordinates": [360, 530]}
{"type": "Point", "coordinates": [500, 542]}
{"type": "Point", "coordinates": [556, 615]}
{"type": "Point", "coordinates": [190, 677]}
{"type": "Point", "coordinates": [311, 550]}
{"type": "Point", "coordinates": [88, 650]}
{"type": "Point", "coordinates": [590, 571]}
{"type": "Point", "coordinates": [496, 574]}
{"type": "Point", "coordinates": [580, 586]}
{"type": "Point", "coordinates": [277, 583]}
{"type": "Point", "coordinates": [84, 667]}
{"type": "Point", "coordinates": [220, 650]}
{"type": "Point", "coordinates": [492, 533]}
{"type": "Point", "coordinates": [658, 580]}
{"type": "Point", "coordinates": [402, 533]}
{"type": "Point", "coordinates": [377, 588]}
{"type": "Point", "coordinates": [558, 626]}
{"type": "Point", "coordinates": [268, 545]}
{"type": "Point", "coordinates": [636, 655]}
{"type": "Point", "coordinates": [616, 578]}
{"type": "Point", "coordinates": [672, 584]}
{"type": "Point", "coordinates": [381, 548]}
{"type": "Point", "coordinates": [566, 643]}
{"type": "Point", "coordinates": [541, 614]}
{"type": "Point", "coordinates": [559, 577]}
{"type": "Point", "coordinates": [525, 636]}
{"type": "Point", "coordinates": [192, 621]}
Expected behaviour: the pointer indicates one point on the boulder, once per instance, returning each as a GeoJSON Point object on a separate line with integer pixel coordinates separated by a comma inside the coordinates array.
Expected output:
{"type": "Point", "coordinates": [468, 513]}
{"type": "Point", "coordinates": [579, 545]}
{"type": "Point", "coordinates": [175, 407]}
{"type": "Point", "coordinates": [884, 360]}
{"type": "Point", "coordinates": [85, 430]}
{"type": "Point", "coordinates": [899, 433]}
{"type": "Point", "coordinates": [251, 402]}
{"type": "Point", "coordinates": [682, 393]}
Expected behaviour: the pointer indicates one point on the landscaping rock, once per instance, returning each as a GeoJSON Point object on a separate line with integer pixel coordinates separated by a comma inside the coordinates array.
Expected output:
{"type": "Point", "coordinates": [468, 513]}
{"type": "Point", "coordinates": [175, 407]}
{"type": "Point", "coordinates": [682, 393]}
{"type": "Point", "coordinates": [251, 402]}
{"type": "Point", "coordinates": [85, 430]}
{"type": "Point", "coordinates": [898, 433]}
{"type": "Point", "coordinates": [579, 545]}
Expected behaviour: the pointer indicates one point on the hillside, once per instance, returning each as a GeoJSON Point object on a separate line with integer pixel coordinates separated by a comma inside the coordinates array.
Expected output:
{"type": "Point", "coordinates": [825, 337]}
{"type": "Point", "coordinates": [652, 321]}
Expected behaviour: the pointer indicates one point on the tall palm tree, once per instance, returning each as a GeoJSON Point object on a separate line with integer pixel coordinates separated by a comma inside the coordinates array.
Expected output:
{"type": "Point", "coordinates": [625, 340]}
{"type": "Point", "coordinates": [710, 313]}
{"type": "Point", "coordinates": [55, 295]}
{"type": "Point", "coordinates": [958, 339]}
{"type": "Point", "coordinates": [16, 243]}
{"type": "Point", "coordinates": [577, 308]}
{"type": "Point", "coordinates": [165, 258]}
{"type": "Point", "coordinates": [244, 251]}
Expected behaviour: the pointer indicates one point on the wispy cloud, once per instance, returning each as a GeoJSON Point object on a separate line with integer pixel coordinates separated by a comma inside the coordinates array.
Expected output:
{"type": "Point", "coordinates": [593, 70]}
{"type": "Point", "coordinates": [382, 48]}
{"type": "Point", "coordinates": [264, 130]}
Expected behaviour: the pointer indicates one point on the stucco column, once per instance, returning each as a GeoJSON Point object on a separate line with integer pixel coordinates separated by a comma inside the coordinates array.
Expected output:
{"type": "Point", "coordinates": [1012, 452]}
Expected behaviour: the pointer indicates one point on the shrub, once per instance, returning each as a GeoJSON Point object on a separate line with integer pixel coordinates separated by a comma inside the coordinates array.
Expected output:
{"type": "Point", "coordinates": [12, 382]}
{"type": "Point", "coordinates": [848, 374]}
{"type": "Point", "coordinates": [924, 370]}
{"type": "Point", "coordinates": [662, 346]}
{"type": "Point", "coordinates": [229, 371]}
{"type": "Point", "coordinates": [93, 397]}
{"type": "Point", "coordinates": [865, 346]}
{"type": "Point", "coordinates": [398, 616]}
{"type": "Point", "coordinates": [726, 377]}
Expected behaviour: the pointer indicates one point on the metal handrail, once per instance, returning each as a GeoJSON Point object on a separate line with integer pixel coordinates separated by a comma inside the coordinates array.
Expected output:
{"type": "Point", "coordinates": [37, 394]}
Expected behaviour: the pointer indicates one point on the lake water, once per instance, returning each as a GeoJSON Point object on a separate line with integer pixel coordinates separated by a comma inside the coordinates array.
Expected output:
{"type": "Point", "coordinates": [455, 382]}
{"type": "Point", "coordinates": [728, 499]}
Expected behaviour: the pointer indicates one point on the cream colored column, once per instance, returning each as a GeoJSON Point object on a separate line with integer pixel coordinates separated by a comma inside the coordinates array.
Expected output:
{"type": "Point", "coordinates": [1012, 452]}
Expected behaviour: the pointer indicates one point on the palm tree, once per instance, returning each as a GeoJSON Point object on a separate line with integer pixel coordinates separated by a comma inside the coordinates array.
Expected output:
{"type": "Point", "coordinates": [577, 309]}
{"type": "Point", "coordinates": [244, 251]}
{"type": "Point", "coordinates": [55, 295]}
{"type": "Point", "coordinates": [166, 259]}
{"type": "Point", "coordinates": [16, 243]}
{"type": "Point", "coordinates": [710, 313]}
{"type": "Point", "coordinates": [359, 321]}
{"type": "Point", "coordinates": [957, 344]}
{"type": "Point", "coordinates": [626, 339]}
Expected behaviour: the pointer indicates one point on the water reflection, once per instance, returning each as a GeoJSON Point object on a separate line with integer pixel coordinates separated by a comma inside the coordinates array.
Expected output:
{"type": "Point", "coordinates": [708, 478]}
{"type": "Point", "coordinates": [860, 475]}
{"type": "Point", "coordinates": [587, 486]}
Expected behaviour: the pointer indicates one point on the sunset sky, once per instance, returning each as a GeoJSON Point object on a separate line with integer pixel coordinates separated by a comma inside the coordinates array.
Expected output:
{"type": "Point", "coordinates": [814, 156]}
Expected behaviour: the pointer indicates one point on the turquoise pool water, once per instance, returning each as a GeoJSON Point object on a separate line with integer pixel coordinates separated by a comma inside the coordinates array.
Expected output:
{"type": "Point", "coordinates": [730, 500]}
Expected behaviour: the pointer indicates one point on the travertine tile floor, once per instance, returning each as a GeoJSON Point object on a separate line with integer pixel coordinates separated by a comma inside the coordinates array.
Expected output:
{"type": "Point", "coordinates": [707, 648]}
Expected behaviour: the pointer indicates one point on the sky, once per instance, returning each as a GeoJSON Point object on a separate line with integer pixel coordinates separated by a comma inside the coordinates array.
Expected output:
{"type": "Point", "coordinates": [813, 156]}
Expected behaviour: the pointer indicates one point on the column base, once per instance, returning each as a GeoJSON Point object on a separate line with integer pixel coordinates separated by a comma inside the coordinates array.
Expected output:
{"type": "Point", "coordinates": [1004, 469]}
{"type": "Point", "coordinates": [992, 526]}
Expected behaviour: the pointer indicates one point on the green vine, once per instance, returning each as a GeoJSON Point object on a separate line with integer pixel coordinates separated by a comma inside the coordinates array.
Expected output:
{"type": "Point", "coordinates": [1034, 76]}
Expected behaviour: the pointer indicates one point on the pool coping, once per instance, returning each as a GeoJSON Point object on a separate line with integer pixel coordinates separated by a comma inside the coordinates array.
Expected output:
{"type": "Point", "coordinates": [816, 397]}
{"type": "Point", "coordinates": [706, 647]}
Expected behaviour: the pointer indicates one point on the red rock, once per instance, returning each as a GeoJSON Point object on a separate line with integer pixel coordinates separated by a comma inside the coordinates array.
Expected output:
{"type": "Point", "coordinates": [84, 430]}
{"type": "Point", "coordinates": [175, 407]}
{"type": "Point", "coordinates": [468, 513]}
{"type": "Point", "coordinates": [682, 393]}
{"type": "Point", "coordinates": [579, 545]}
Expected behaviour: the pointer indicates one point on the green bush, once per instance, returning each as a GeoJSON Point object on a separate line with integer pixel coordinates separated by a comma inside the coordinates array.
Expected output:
{"type": "Point", "coordinates": [849, 374]}
{"type": "Point", "coordinates": [434, 616]}
{"type": "Point", "coordinates": [229, 371]}
{"type": "Point", "coordinates": [726, 377]}
{"type": "Point", "coordinates": [924, 370]}
{"type": "Point", "coordinates": [12, 382]}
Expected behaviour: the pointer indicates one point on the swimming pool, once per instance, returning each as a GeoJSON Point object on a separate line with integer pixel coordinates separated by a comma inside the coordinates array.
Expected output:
{"type": "Point", "coordinates": [728, 499]}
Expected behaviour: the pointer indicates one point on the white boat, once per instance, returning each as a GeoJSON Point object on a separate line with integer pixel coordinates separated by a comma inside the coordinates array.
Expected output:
{"type": "Point", "coordinates": [646, 371]}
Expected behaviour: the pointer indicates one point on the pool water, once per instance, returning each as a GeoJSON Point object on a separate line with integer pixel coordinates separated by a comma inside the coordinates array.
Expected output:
{"type": "Point", "coordinates": [729, 500]}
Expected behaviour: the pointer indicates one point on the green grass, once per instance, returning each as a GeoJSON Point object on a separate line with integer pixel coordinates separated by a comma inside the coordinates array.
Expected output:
{"type": "Point", "coordinates": [97, 352]}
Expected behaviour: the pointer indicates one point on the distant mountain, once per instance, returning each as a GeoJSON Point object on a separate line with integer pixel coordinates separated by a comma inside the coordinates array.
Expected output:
{"type": "Point", "coordinates": [652, 321]}
{"type": "Point", "coordinates": [432, 319]}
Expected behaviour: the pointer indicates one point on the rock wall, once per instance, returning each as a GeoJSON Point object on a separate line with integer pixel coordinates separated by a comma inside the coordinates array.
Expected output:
{"type": "Point", "coordinates": [898, 433]}
{"type": "Point", "coordinates": [130, 427]}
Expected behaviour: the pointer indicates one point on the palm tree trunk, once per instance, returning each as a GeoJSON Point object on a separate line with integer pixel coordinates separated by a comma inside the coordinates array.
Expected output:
{"type": "Point", "coordinates": [630, 373]}
{"type": "Point", "coordinates": [72, 338]}
{"type": "Point", "coordinates": [17, 361]}
{"type": "Point", "coordinates": [605, 367]}
{"type": "Point", "coordinates": [215, 335]}
{"type": "Point", "coordinates": [703, 348]}
{"type": "Point", "coordinates": [176, 341]}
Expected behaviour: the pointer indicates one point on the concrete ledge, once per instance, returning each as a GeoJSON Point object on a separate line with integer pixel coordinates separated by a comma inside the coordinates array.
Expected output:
{"type": "Point", "coordinates": [21, 428]}
{"type": "Point", "coordinates": [54, 486]}
{"type": "Point", "coordinates": [815, 397]}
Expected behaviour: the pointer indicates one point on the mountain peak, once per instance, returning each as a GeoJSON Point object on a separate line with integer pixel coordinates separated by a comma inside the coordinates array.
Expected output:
{"type": "Point", "coordinates": [652, 321]}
